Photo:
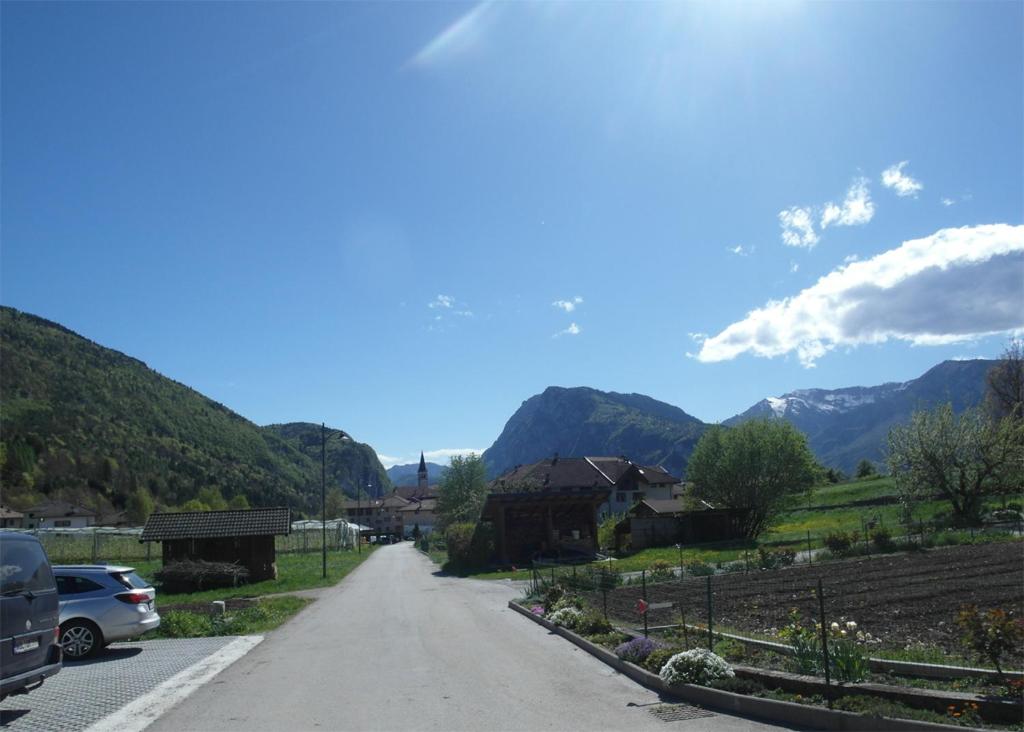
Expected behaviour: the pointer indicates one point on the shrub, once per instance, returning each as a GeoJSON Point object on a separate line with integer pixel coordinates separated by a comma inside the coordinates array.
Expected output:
{"type": "Point", "coordinates": [730, 649]}
{"type": "Point", "coordinates": [469, 545]}
{"type": "Point", "coordinates": [658, 658]}
{"type": "Point", "coordinates": [698, 666]}
{"type": "Point", "coordinates": [841, 542]}
{"type": "Point", "coordinates": [773, 560]}
{"type": "Point", "coordinates": [882, 539]}
{"type": "Point", "coordinates": [567, 617]}
{"type": "Point", "coordinates": [699, 569]}
{"type": "Point", "coordinates": [846, 653]}
{"type": "Point", "coordinates": [593, 623]}
{"type": "Point", "coordinates": [660, 571]}
{"type": "Point", "coordinates": [192, 576]}
{"type": "Point", "coordinates": [737, 685]}
{"type": "Point", "coordinates": [637, 650]}
{"type": "Point", "coordinates": [550, 594]}
{"type": "Point", "coordinates": [567, 601]}
{"type": "Point", "coordinates": [805, 643]}
{"type": "Point", "coordinates": [992, 636]}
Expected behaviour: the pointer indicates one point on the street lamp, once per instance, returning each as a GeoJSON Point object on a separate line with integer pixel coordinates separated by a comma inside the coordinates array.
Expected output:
{"type": "Point", "coordinates": [323, 489]}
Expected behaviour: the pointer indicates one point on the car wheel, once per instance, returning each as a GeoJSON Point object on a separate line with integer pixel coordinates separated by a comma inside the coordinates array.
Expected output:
{"type": "Point", "coordinates": [80, 639]}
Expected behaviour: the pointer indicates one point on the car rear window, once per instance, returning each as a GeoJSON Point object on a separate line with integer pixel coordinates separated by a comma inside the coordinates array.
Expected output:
{"type": "Point", "coordinates": [130, 580]}
{"type": "Point", "coordinates": [23, 566]}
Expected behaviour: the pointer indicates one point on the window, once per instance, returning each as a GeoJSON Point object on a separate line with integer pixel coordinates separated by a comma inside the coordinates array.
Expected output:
{"type": "Point", "coordinates": [638, 496]}
{"type": "Point", "coordinates": [62, 522]}
{"type": "Point", "coordinates": [620, 497]}
{"type": "Point", "coordinates": [24, 567]}
{"type": "Point", "coordinates": [76, 585]}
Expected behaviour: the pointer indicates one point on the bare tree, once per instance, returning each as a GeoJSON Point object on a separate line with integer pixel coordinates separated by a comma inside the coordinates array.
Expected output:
{"type": "Point", "coordinates": [1006, 383]}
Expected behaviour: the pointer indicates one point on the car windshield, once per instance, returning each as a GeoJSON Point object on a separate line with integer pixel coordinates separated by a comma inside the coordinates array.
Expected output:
{"type": "Point", "coordinates": [23, 566]}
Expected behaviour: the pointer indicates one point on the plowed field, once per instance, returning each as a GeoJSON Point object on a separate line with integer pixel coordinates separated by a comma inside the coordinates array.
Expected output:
{"type": "Point", "coordinates": [899, 598]}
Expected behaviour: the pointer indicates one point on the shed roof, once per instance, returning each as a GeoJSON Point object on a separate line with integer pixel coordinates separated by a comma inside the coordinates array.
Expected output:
{"type": "Point", "coordinates": [216, 524]}
{"type": "Point", "coordinates": [58, 509]}
{"type": "Point", "coordinates": [660, 506]}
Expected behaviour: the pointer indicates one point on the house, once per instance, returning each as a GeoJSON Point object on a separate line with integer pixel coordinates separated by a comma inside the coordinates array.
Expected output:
{"type": "Point", "coordinates": [545, 524]}
{"type": "Point", "coordinates": [658, 522]}
{"type": "Point", "coordinates": [244, 537]}
{"type": "Point", "coordinates": [10, 519]}
{"type": "Point", "coordinates": [625, 482]}
{"type": "Point", "coordinates": [381, 517]}
{"type": "Point", "coordinates": [58, 515]}
{"type": "Point", "coordinates": [421, 513]}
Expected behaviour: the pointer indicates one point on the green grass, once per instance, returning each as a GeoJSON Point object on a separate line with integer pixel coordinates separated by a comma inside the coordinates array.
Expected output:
{"type": "Point", "coordinates": [264, 616]}
{"type": "Point", "coordinates": [294, 572]}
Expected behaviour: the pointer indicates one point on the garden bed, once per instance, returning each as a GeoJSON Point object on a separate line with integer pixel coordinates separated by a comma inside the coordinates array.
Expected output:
{"type": "Point", "coordinates": [774, 709]}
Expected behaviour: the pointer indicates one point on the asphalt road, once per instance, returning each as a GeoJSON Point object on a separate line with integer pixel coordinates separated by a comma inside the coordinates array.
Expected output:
{"type": "Point", "coordinates": [398, 647]}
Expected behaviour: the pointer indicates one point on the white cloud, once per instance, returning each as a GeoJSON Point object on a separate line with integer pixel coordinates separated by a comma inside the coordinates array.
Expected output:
{"type": "Point", "coordinates": [947, 202]}
{"type": "Point", "coordinates": [794, 267]}
{"type": "Point", "coordinates": [741, 251]}
{"type": "Point", "coordinates": [390, 461]}
{"type": "Point", "coordinates": [856, 209]}
{"type": "Point", "coordinates": [953, 286]}
{"type": "Point", "coordinates": [568, 305]}
{"type": "Point", "coordinates": [464, 34]}
{"type": "Point", "coordinates": [904, 185]}
{"type": "Point", "coordinates": [447, 453]}
{"type": "Point", "coordinates": [573, 329]}
{"type": "Point", "coordinates": [798, 227]}
{"type": "Point", "coordinates": [698, 337]}
{"type": "Point", "coordinates": [441, 301]}
{"type": "Point", "coordinates": [850, 258]}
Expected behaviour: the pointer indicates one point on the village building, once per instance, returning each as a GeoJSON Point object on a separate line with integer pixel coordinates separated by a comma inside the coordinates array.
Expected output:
{"type": "Point", "coordinates": [244, 537]}
{"type": "Point", "coordinates": [58, 515]}
{"type": "Point", "coordinates": [658, 522]}
{"type": "Point", "coordinates": [625, 482]}
{"type": "Point", "coordinates": [10, 519]}
{"type": "Point", "coordinates": [380, 518]}
{"type": "Point", "coordinates": [421, 509]}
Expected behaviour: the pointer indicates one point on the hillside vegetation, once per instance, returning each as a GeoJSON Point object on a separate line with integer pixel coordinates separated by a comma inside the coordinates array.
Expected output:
{"type": "Point", "coordinates": [89, 424]}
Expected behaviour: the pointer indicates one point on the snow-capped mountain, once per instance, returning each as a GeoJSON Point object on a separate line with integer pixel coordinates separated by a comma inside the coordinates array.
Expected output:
{"type": "Point", "coordinates": [844, 426]}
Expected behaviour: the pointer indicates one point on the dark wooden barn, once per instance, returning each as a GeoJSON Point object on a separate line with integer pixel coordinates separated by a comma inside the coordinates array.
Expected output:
{"type": "Point", "coordinates": [244, 537]}
{"type": "Point", "coordinates": [666, 522]}
{"type": "Point", "coordinates": [544, 524]}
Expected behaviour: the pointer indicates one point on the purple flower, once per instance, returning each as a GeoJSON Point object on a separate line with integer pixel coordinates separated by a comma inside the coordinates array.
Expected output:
{"type": "Point", "coordinates": [637, 650]}
{"type": "Point", "coordinates": [537, 610]}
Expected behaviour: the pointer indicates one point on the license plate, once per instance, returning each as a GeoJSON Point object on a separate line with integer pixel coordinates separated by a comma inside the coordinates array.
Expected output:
{"type": "Point", "coordinates": [26, 646]}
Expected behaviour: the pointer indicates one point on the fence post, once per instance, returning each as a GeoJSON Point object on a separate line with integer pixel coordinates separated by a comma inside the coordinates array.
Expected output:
{"type": "Point", "coordinates": [746, 561]}
{"type": "Point", "coordinates": [824, 644]}
{"type": "Point", "coordinates": [682, 624]}
{"type": "Point", "coordinates": [711, 635]}
{"type": "Point", "coordinates": [574, 573]}
{"type": "Point", "coordinates": [680, 548]}
{"type": "Point", "coordinates": [643, 581]}
{"type": "Point", "coordinates": [95, 545]}
{"type": "Point", "coordinates": [149, 548]}
{"type": "Point", "coordinates": [810, 556]}
{"type": "Point", "coordinates": [867, 547]}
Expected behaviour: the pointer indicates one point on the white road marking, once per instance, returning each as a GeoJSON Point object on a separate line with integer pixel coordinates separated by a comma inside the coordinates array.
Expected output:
{"type": "Point", "coordinates": [145, 710]}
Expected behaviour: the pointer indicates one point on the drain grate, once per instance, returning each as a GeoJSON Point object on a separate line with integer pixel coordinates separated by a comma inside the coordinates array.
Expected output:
{"type": "Point", "coordinates": [679, 712]}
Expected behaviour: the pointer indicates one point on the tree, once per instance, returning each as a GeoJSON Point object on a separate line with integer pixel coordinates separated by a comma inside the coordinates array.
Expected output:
{"type": "Point", "coordinates": [140, 505]}
{"type": "Point", "coordinates": [866, 469]}
{"type": "Point", "coordinates": [1005, 382]}
{"type": "Point", "coordinates": [962, 458]}
{"type": "Point", "coordinates": [239, 502]}
{"type": "Point", "coordinates": [335, 504]}
{"type": "Point", "coordinates": [462, 491]}
{"type": "Point", "coordinates": [761, 465]}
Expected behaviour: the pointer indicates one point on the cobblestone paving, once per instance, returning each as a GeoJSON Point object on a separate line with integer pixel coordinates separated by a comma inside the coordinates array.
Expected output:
{"type": "Point", "coordinates": [85, 692]}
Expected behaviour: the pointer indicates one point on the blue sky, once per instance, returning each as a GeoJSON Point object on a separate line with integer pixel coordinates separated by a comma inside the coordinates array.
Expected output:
{"type": "Point", "coordinates": [404, 219]}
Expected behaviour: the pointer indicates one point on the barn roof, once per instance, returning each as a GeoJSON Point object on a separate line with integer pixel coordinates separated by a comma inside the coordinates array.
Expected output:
{"type": "Point", "coordinates": [217, 524]}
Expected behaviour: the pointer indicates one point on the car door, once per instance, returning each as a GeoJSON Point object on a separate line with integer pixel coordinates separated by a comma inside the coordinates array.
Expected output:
{"type": "Point", "coordinates": [28, 606]}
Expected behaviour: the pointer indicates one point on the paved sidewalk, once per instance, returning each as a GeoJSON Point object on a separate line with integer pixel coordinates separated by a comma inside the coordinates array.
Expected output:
{"type": "Point", "coordinates": [85, 692]}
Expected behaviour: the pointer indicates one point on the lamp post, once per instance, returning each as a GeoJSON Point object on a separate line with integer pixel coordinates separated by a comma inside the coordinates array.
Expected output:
{"type": "Point", "coordinates": [323, 490]}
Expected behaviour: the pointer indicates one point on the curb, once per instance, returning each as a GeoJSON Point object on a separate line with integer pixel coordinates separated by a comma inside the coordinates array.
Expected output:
{"type": "Point", "coordinates": [800, 715]}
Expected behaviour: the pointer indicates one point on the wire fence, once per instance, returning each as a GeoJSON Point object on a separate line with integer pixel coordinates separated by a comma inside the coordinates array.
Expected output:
{"type": "Point", "coordinates": [95, 545]}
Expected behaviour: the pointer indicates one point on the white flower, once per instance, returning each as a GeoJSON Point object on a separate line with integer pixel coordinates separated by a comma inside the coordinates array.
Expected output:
{"type": "Point", "coordinates": [835, 627]}
{"type": "Point", "coordinates": [698, 666]}
{"type": "Point", "coordinates": [851, 626]}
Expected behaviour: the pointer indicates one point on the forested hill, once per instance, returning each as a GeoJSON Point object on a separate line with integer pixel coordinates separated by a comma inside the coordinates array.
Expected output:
{"type": "Point", "coordinates": [583, 421]}
{"type": "Point", "coordinates": [90, 424]}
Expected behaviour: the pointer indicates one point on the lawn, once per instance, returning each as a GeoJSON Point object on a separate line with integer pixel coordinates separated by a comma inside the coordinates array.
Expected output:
{"type": "Point", "coordinates": [294, 572]}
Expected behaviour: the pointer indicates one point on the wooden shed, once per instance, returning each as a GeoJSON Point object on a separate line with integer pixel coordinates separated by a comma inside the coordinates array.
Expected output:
{"type": "Point", "coordinates": [244, 537]}
{"type": "Point", "coordinates": [653, 523]}
{"type": "Point", "coordinates": [544, 524]}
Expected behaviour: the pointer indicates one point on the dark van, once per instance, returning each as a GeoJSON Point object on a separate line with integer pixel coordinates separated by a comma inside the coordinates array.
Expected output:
{"type": "Point", "coordinates": [29, 615]}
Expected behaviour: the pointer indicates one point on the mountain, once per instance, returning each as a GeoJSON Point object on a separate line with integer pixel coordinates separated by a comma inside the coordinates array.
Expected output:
{"type": "Point", "coordinates": [844, 426]}
{"type": "Point", "coordinates": [407, 474]}
{"type": "Point", "coordinates": [93, 425]}
{"type": "Point", "coordinates": [583, 421]}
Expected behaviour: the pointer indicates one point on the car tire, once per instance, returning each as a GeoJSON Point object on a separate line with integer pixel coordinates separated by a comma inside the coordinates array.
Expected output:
{"type": "Point", "coordinates": [80, 639]}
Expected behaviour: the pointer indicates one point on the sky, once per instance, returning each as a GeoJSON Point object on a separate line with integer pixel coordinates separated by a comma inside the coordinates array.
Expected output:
{"type": "Point", "coordinates": [405, 219]}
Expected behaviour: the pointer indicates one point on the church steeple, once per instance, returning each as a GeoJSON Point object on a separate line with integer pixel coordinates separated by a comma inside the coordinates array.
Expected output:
{"type": "Point", "coordinates": [422, 473]}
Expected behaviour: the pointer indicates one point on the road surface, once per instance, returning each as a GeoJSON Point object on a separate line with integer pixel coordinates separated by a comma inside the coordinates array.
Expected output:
{"type": "Point", "coordinates": [398, 647]}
